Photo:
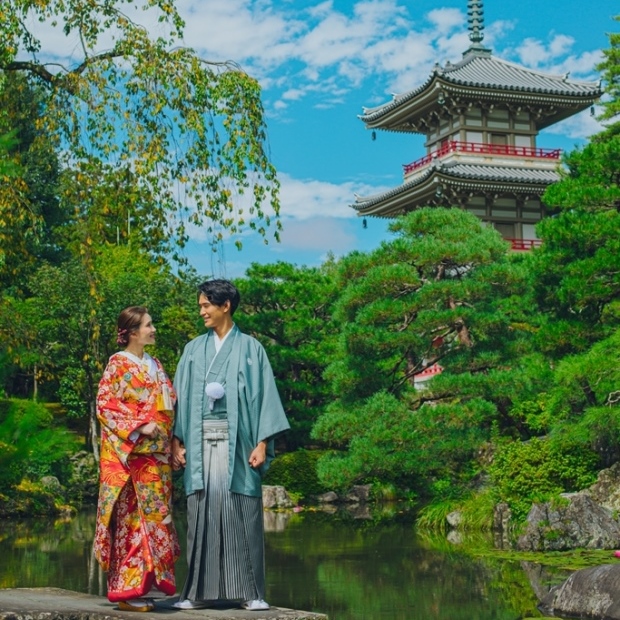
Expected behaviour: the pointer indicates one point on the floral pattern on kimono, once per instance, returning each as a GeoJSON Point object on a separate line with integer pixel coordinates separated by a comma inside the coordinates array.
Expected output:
{"type": "Point", "coordinates": [135, 538]}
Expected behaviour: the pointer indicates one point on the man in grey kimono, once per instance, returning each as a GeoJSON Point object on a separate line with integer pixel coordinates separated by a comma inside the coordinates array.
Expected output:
{"type": "Point", "coordinates": [228, 413]}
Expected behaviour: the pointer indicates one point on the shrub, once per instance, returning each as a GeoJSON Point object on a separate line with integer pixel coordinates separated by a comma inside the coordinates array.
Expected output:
{"type": "Point", "coordinates": [538, 470]}
{"type": "Point", "coordinates": [37, 447]}
{"type": "Point", "coordinates": [296, 471]}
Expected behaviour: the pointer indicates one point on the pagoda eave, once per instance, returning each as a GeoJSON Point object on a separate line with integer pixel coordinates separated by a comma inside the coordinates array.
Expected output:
{"type": "Point", "coordinates": [410, 115]}
{"type": "Point", "coordinates": [432, 187]}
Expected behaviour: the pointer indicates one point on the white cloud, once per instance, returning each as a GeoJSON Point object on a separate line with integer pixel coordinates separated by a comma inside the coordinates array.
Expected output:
{"type": "Point", "coordinates": [446, 20]}
{"type": "Point", "coordinates": [303, 199]}
{"type": "Point", "coordinates": [555, 58]}
{"type": "Point", "coordinates": [534, 53]}
{"type": "Point", "coordinates": [316, 234]}
{"type": "Point", "coordinates": [323, 48]}
{"type": "Point", "coordinates": [577, 127]}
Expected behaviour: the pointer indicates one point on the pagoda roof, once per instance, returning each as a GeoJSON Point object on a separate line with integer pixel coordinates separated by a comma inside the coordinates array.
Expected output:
{"type": "Point", "coordinates": [420, 189]}
{"type": "Point", "coordinates": [481, 75]}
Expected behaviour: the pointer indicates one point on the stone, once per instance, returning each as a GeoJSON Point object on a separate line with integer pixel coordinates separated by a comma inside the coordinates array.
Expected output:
{"type": "Point", "coordinates": [282, 498]}
{"type": "Point", "coordinates": [575, 521]}
{"type": "Point", "coordinates": [57, 604]}
{"type": "Point", "coordinates": [358, 494]}
{"type": "Point", "coordinates": [52, 485]}
{"type": "Point", "coordinates": [454, 519]}
{"type": "Point", "coordinates": [502, 516]}
{"type": "Point", "coordinates": [84, 480]}
{"type": "Point", "coordinates": [275, 496]}
{"type": "Point", "coordinates": [606, 490]}
{"type": "Point", "coordinates": [589, 593]}
{"type": "Point", "coordinates": [327, 498]}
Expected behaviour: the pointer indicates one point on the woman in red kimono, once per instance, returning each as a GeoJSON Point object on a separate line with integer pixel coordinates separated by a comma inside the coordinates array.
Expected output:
{"type": "Point", "coordinates": [135, 538]}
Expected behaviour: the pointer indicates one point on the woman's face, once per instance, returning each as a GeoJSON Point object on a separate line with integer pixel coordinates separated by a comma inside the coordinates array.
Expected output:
{"type": "Point", "coordinates": [145, 334]}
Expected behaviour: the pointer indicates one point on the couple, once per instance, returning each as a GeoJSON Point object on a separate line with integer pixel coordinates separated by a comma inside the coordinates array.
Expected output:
{"type": "Point", "coordinates": [227, 414]}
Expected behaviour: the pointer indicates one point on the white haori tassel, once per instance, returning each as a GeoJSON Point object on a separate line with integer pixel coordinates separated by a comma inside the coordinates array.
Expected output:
{"type": "Point", "coordinates": [214, 391]}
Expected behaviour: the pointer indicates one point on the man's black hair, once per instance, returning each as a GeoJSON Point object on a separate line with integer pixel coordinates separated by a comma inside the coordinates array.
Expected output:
{"type": "Point", "coordinates": [218, 292]}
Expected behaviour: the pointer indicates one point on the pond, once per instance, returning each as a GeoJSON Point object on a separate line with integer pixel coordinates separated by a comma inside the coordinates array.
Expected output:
{"type": "Point", "coordinates": [348, 567]}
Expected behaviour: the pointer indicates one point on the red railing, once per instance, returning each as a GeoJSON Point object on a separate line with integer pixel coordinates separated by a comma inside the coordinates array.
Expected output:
{"type": "Point", "coordinates": [524, 244]}
{"type": "Point", "coordinates": [454, 146]}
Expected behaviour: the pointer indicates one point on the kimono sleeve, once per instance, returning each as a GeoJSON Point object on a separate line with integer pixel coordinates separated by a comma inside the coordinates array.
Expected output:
{"type": "Point", "coordinates": [272, 418]}
{"type": "Point", "coordinates": [118, 419]}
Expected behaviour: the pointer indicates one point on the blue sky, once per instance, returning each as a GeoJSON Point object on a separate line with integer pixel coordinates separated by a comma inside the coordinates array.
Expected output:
{"type": "Point", "coordinates": [319, 63]}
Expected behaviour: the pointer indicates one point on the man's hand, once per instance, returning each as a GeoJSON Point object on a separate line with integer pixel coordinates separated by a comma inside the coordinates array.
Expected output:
{"type": "Point", "coordinates": [178, 454]}
{"type": "Point", "coordinates": [259, 455]}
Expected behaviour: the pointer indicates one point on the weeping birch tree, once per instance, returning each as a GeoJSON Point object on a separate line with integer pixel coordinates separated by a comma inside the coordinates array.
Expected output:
{"type": "Point", "coordinates": [152, 140]}
{"type": "Point", "coordinates": [124, 105]}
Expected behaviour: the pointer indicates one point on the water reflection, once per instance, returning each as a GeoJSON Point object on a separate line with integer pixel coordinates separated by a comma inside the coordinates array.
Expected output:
{"type": "Point", "coordinates": [347, 566]}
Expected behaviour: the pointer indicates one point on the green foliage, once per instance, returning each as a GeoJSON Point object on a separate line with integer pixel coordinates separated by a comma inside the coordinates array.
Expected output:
{"type": "Point", "coordinates": [476, 511]}
{"type": "Point", "coordinates": [540, 469]}
{"type": "Point", "coordinates": [67, 334]}
{"type": "Point", "coordinates": [150, 130]}
{"type": "Point", "coordinates": [35, 446]}
{"type": "Point", "coordinates": [577, 270]}
{"type": "Point", "coordinates": [296, 471]}
{"type": "Point", "coordinates": [288, 309]}
{"type": "Point", "coordinates": [29, 207]}
{"type": "Point", "coordinates": [444, 291]}
{"type": "Point", "coordinates": [432, 517]}
{"type": "Point", "coordinates": [610, 73]}
{"type": "Point", "coordinates": [585, 399]}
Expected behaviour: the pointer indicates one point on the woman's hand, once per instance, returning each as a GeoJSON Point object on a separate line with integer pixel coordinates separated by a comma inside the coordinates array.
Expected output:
{"type": "Point", "coordinates": [259, 455]}
{"type": "Point", "coordinates": [178, 454]}
{"type": "Point", "coordinates": [150, 429]}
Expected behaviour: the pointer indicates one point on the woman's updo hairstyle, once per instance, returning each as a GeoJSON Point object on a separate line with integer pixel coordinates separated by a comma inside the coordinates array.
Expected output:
{"type": "Point", "coordinates": [129, 321]}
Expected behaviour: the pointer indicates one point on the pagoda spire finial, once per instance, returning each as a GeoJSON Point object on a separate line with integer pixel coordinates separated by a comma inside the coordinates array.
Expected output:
{"type": "Point", "coordinates": [475, 21]}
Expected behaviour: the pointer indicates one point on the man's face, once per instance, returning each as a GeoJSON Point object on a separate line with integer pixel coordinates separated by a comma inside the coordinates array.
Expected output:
{"type": "Point", "coordinates": [213, 316]}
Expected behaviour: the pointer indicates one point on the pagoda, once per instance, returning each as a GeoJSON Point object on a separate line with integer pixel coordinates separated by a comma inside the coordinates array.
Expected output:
{"type": "Point", "coordinates": [480, 117]}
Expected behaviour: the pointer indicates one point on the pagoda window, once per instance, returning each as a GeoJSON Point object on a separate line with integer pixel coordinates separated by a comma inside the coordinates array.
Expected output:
{"type": "Point", "coordinates": [507, 231]}
{"type": "Point", "coordinates": [474, 136]}
{"type": "Point", "coordinates": [477, 205]}
{"type": "Point", "coordinates": [529, 231]}
{"type": "Point", "coordinates": [444, 127]}
{"type": "Point", "coordinates": [499, 138]}
{"type": "Point", "coordinates": [473, 117]}
{"type": "Point", "coordinates": [531, 210]}
{"type": "Point", "coordinates": [498, 119]}
{"type": "Point", "coordinates": [522, 120]}
{"type": "Point", "coordinates": [504, 207]}
{"type": "Point", "coordinates": [523, 140]}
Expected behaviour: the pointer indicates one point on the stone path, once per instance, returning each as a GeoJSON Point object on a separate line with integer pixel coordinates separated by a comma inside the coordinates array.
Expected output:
{"type": "Point", "coordinates": [57, 604]}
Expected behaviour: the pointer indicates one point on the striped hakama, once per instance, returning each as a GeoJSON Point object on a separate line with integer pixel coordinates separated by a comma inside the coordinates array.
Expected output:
{"type": "Point", "coordinates": [225, 539]}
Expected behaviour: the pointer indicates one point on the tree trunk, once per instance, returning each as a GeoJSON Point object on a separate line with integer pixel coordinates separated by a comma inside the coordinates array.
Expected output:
{"type": "Point", "coordinates": [93, 433]}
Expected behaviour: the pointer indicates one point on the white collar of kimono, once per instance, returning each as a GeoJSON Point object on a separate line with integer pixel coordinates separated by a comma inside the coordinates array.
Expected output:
{"type": "Point", "coordinates": [220, 341]}
{"type": "Point", "coordinates": [147, 362]}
